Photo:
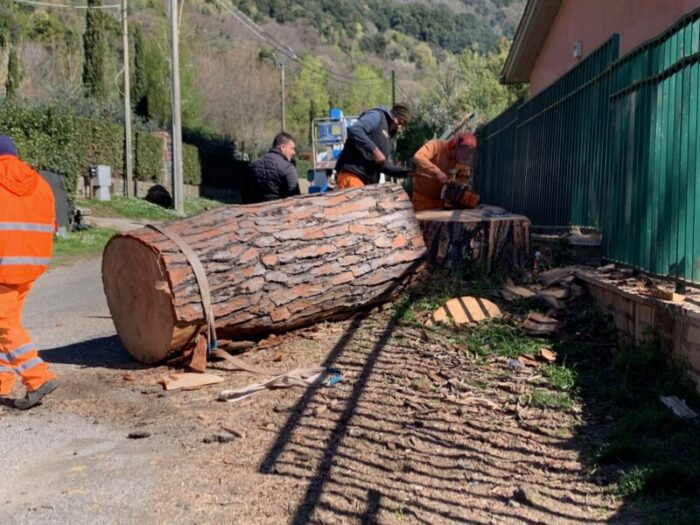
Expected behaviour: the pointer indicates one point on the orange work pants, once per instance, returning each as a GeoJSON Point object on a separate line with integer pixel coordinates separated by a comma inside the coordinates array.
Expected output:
{"type": "Point", "coordinates": [18, 355]}
{"type": "Point", "coordinates": [346, 179]}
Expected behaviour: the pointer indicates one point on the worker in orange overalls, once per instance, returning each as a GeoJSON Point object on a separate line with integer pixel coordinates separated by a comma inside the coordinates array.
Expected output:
{"type": "Point", "coordinates": [433, 161]}
{"type": "Point", "coordinates": [27, 226]}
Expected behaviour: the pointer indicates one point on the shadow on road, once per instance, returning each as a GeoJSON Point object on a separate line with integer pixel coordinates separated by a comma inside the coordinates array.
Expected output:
{"type": "Point", "coordinates": [106, 352]}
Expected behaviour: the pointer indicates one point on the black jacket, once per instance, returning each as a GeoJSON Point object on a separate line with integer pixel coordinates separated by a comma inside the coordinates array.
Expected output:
{"type": "Point", "coordinates": [270, 177]}
{"type": "Point", "coordinates": [372, 129]}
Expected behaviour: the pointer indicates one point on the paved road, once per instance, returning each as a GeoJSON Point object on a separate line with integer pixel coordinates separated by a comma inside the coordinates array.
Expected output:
{"type": "Point", "coordinates": [61, 463]}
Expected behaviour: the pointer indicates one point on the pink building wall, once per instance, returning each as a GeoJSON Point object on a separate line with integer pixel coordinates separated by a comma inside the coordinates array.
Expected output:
{"type": "Point", "coordinates": [592, 22]}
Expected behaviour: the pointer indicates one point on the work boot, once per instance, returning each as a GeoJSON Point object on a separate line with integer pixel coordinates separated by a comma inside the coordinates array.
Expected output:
{"type": "Point", "coordinates": [35, 396]}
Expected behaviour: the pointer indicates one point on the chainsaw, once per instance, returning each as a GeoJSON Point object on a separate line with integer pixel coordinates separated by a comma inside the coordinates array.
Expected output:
{"type": "Point", "coordinates": [457, 195]}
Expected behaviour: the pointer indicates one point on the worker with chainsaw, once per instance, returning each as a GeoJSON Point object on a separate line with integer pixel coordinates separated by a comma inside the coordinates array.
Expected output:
{"type": "Point", "coordinates": [445, 167]}
{"type": "Point", "coordinates": [272, 176]}
{"type": "Point", "coordinates": [369, 147]}
{"type": "Point", "coordinates": [27, 226]}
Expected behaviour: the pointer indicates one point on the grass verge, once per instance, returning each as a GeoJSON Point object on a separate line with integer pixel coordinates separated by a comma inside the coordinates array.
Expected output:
{"type": "Point", "coordinates": [142, 209]}
{"type": "Point", "coordinates": [80, 245]}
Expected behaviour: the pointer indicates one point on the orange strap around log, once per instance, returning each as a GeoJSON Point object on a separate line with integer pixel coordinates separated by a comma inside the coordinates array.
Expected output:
{"type": "Point", "coordinates": [202, 281]}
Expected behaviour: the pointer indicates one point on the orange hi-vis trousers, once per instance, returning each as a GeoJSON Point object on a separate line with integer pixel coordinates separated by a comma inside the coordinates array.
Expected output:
{"type": "Point", "coordinates": [346, 179]}
{"type": "Point", "coordinates": [18, 355]}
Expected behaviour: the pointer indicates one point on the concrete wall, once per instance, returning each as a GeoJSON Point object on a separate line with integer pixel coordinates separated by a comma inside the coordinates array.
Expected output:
{"type": "Point", "coordinates": [592, 22]}
{"type": "Point", "coordinates": [676, 324]}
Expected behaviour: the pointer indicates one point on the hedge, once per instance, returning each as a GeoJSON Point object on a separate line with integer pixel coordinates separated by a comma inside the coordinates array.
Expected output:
{"type": "Point", "coordinates": [148, 157]}
{"type": "Point", "coordinates": [191, 165]}
{"type": "Point", "coordinates": [50, 138]}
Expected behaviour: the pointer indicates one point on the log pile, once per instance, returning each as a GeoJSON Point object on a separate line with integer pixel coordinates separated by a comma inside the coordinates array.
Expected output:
{"type": "Point", "coordinates": [271, 267]}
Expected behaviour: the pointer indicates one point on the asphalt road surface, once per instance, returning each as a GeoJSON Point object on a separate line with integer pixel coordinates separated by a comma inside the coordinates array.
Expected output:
{"type": "Point", "coordinates": [62, 464]}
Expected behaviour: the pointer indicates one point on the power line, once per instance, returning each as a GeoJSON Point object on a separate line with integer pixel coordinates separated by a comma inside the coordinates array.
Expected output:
{"type": "Point", "coordinates": [288, 51]}
{"type": "Point", "coordinates": [47, 4]}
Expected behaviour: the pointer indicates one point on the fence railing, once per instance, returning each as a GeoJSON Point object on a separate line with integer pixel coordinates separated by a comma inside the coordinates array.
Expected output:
{"type": "Point", "coordinates": [613, 145]}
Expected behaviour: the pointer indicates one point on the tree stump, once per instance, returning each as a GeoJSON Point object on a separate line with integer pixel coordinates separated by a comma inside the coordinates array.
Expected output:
{"type": "Point", "coordinates": [488, 236]}
{"type": "Point", "coordinates": [271, 267]}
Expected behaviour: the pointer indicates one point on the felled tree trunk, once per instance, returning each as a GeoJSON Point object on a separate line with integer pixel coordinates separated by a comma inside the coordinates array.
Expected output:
{"type": "Point", "coordinates": [271, 267]}
{"type": "Point", "coordinates": [488, 236]}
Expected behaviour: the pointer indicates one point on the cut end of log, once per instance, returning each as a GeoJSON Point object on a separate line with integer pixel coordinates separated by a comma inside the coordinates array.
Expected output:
{"type": "Point", "coordinates": [139, 298]}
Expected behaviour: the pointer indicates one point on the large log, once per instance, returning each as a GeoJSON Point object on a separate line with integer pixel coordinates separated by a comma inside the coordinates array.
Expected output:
{"type": "Point", "coordinates": [271, 267]}
{"type": "Point", "coordinates": [488, 236]}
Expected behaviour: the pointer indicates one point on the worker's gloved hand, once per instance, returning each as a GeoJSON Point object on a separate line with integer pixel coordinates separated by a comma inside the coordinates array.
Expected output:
{"type": "Point", "coordinates": [378, 156]}
{"type": "Point", "coordinates": [442, 177]}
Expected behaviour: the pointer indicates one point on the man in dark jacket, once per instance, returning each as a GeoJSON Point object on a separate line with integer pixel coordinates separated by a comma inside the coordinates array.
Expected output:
{"type": "Point", "coordinates": [272, 176]}
{"type": "Point", "coordinates": [369, 146]}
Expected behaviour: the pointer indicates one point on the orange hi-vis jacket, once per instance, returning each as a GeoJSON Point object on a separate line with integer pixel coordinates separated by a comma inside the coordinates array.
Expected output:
{"type": "Point", "coordinates": [27, 222]}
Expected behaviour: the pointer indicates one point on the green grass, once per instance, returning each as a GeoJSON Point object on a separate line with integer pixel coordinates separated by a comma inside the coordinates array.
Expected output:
{"type": "Point", "coordinates": [80, 245]}
{"type": "Point", "coordinates": [548, 399]}
{"type": "Point", "coordinates": [498, 337]}
{"type": "Point", "coordinates": [142, 209]}
{"type": "Point", "coordinates": [560, 377]}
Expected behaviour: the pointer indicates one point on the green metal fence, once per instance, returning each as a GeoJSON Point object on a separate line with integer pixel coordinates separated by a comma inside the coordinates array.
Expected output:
{"type": "Point", "coordinates": [613, 145]}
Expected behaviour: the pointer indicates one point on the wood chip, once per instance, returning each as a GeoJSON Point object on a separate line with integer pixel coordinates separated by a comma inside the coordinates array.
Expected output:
{"type": "Point", "coordinates": [557, 293]}
{"type": "Point", "coordinates": [526, 360]}
{"type": "Point", "coordinates": [556, 275]}
{"type": "Point", "coordinates": [513, 292]}
{"type": "Point", "coordinates": [606, 269]}
{"type": "Point", "coordinates": [233, 431]}
{"type": "Point", "coordinates": [465, 310]}
{"type": "Point", "coordinates": [538, 324]}
{"type": "Point", "coordinates": [189, 381]}
{"type": "Point", "coordinates": [665, 294]}
{"type": "Point", "coordinates": [548, 355]}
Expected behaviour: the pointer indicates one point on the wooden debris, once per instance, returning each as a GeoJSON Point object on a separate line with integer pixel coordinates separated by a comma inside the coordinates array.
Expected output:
{"type": "Point", "coordinates": [665, 294]}
{"type": "Point", "coordinates": [606, 269]}
{"type": "Point", "coordinates": [189, 381]}
{"type": "Point", "coordinates": [548, 355]}
{"type": "Point", "coordinates": [526, 360]}
{"type": "Point", "coordinates": [512, 292]}
{"type": "Point", "coordinates": [538, 324]}
{"type": "Point", "coordinates": [552, 302]}
{"type": "Point", "coordinates": [556, 275]}
{"type": "Point", "coordinates": [233, 431]}
{"type": "Point", "coordinates": [465, 310]}
{"type": "Point", "coordinates": [556, 293]}
{"type": "Point", "coordinates": [235, 346]}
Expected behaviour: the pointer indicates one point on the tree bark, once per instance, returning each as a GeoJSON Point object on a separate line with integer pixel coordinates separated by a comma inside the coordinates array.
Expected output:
{"type": "Point", "coordinates": [496, 242]}
{"type": "Point", "coordinates": [271, 267]}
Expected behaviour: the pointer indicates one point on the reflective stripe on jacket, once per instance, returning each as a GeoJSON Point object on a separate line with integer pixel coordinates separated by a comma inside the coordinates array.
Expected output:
{"type": "Point", "coordinates": [27, 222]}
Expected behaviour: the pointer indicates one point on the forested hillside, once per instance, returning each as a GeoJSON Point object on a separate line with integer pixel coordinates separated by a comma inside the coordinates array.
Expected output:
{"type": "Point", "coordinates": [446, 57]}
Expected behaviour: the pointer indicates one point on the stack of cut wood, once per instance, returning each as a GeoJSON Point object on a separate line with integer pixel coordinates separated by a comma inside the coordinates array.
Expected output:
{"type": "Point", "coordinates": [555, 288]}
{"type": "Point", "coordinates": [271, 267]}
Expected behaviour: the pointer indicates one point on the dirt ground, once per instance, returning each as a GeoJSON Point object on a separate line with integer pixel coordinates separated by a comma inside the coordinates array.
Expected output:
{"type": "Point", "coordinates": [419, 431]}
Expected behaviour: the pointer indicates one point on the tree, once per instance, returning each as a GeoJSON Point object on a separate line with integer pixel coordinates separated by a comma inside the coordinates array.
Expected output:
{"type": "Point", "coordinates": [95, 49]}
{"type": "Point", "coordinates": [484, 93]}
{"type": "Point", "coordinates": [308, 91]}
{"type": "Point", "coordinates": [367, 89]}
{"type": "Point", "coordinates": [14, 74]}
{"type": "Point", "coordinates": [139, 86]}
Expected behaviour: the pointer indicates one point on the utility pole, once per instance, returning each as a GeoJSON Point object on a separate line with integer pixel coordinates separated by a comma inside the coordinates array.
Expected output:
{"type": "Point", "coordinates": [176, 141]}
{"type": "Point", "coordinates": [127, 105]}
{"type": "Point", "coordinates": [393, 88]}
{"type": "Point", "coordinates": [282, 65]}
{"type": "Point", "coordinates": [284, 96]}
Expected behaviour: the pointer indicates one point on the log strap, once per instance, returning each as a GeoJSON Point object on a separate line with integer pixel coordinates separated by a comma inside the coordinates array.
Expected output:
{"type": "Point", "coordinates": [202, 282]}
{"type": "Point", "coordinates": [304, 377]}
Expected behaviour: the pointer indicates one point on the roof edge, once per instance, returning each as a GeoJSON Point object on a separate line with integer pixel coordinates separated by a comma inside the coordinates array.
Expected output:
{"type": "Point", "coordinates": [529, 38]}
